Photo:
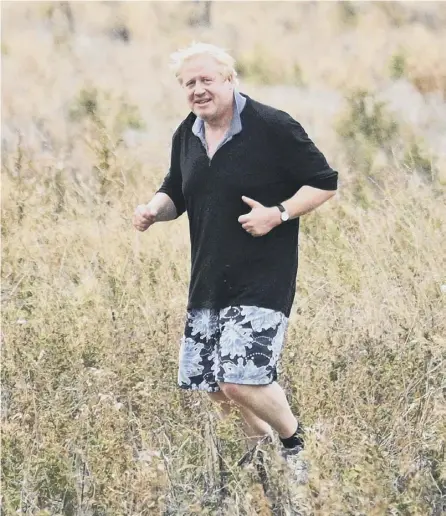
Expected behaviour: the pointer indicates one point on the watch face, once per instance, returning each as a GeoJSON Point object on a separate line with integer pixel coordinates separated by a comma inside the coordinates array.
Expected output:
{"type": "Point", "coordinates": [285, 216]}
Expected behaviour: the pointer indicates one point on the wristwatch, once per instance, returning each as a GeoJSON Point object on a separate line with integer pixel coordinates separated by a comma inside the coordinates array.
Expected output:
{"type": "Point", "coordinates": [284, 215]}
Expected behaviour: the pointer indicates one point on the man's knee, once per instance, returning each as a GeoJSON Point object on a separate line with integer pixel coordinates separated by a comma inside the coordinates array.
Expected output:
{"type": "Point", "coordinates": [232, 391]}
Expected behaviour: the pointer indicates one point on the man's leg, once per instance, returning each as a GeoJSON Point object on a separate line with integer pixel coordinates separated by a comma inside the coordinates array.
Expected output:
{"type": "Point", "coordinates": [254, 427]}
{"type": "Point", "coordinates": [266, 402]}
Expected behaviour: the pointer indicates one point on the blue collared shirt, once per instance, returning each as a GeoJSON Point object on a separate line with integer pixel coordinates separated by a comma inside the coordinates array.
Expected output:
{"type": "Point", "coordinates": [234, 128]}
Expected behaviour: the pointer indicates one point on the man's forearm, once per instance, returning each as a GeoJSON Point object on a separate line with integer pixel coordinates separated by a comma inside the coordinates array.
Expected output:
{"type": "Point", "coordinates": [163, 206]}
{"type": "Point", "coordinates": [305, 200]}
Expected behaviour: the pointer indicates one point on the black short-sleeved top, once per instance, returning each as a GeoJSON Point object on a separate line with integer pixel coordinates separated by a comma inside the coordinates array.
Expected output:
{"type": "Point", "coordinates": [268, 161]}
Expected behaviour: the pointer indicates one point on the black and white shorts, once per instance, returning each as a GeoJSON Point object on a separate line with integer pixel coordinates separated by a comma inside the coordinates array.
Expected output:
{"type": "Point", "coordinates": [237, 344]}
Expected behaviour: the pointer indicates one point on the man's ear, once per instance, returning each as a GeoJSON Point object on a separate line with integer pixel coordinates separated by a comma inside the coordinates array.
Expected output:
{"type": "Point", "coordinates": [230, 79]}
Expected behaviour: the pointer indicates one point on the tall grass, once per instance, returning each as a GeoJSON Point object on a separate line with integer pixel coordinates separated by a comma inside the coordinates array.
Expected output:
{"type": "Point", "coordinates": [92, 420]}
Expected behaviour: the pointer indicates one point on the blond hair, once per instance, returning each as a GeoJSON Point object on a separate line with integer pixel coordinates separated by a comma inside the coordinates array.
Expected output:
{"type": "Point", "coordinates": [199, 49]}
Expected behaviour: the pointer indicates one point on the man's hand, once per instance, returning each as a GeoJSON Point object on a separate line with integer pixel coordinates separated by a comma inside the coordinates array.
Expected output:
{"type": "Point", "coordinates": [261, 219]}
{"type": "Point", "coordinates": [144, 217]}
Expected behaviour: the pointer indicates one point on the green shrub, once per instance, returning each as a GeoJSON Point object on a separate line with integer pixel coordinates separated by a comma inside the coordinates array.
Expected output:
{"type": "Point", "coordinates": [398, 65]}
{"type": "Point", "coordinates": [416, 159]}
{"type": "Point", "coordinates": [259, 68]}
{"type": "Point", "coordinates": [367, 120]}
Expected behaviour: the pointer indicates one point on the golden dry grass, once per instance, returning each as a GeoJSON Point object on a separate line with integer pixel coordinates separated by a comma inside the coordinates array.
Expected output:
{"type": "Point", "coordinates": [92, 420]}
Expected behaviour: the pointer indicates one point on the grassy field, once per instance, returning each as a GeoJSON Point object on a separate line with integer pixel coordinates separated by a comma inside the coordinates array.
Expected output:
{"type": "Point", "coordinates": [92, 421]}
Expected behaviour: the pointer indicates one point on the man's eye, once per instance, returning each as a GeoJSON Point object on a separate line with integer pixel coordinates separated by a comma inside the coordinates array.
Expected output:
{"type": "Point", "coordinates": [207, 81]}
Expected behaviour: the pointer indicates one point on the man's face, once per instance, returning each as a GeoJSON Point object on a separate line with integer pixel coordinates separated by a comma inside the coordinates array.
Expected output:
{"type": "Point", "coordinates": [209, 94]}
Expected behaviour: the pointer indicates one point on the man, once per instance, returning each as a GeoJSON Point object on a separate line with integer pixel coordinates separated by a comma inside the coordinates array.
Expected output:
{"type": "Point", "coordinates": [244, 172]}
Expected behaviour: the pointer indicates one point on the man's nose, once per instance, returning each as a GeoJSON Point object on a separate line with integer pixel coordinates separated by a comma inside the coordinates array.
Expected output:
{"type": "Point", "coordinates": [199, 89]}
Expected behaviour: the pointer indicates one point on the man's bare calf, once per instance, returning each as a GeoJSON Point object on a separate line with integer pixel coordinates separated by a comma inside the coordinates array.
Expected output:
{"type": "Point", "coordinates": [262, 407]}
{"type": "Point", "coordinates": [255, 428]}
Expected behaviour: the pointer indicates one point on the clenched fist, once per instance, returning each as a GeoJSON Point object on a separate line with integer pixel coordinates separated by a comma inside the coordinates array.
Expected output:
{"type": "Point", "coordinates": [143, 217]}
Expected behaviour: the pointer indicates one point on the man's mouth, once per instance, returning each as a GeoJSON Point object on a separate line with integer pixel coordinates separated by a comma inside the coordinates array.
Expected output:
{"type": "Point", "coordinates": [202, 102]}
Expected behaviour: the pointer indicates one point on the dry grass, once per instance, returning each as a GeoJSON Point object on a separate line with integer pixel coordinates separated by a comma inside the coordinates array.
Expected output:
{"type": "Point", "coordinates": [92, 420]}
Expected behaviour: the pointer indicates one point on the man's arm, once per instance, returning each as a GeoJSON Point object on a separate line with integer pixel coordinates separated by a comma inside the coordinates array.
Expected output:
{"type": "Point", "coordinates": [262, 219]}
{"type": "Point", "coordinates": [305, 200]}
{"type": "Point", "coordinates": [160, 208]}
{"type": "Point", "coordinates": [304, 166]}
{"type": "Point", "coordinates": [168, 202]}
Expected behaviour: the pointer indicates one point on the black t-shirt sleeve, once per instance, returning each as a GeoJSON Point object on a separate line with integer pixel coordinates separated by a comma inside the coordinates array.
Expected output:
{"type": "Point", "coordinates": [172, 184]}
{"type": "Point", "coordinates": [302, 161]}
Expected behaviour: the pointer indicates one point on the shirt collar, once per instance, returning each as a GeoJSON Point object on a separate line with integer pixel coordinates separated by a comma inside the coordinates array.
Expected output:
{"type": "Point", "coordinates": [236, 122]}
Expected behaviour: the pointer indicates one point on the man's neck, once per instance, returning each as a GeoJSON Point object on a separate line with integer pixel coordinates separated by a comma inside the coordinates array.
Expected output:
{"type": "Point", "coordinates": [220, 125]}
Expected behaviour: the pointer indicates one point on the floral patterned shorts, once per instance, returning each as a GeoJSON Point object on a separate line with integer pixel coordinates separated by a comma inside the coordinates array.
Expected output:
{"type": "Point", "coordinates": [237, 344]}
